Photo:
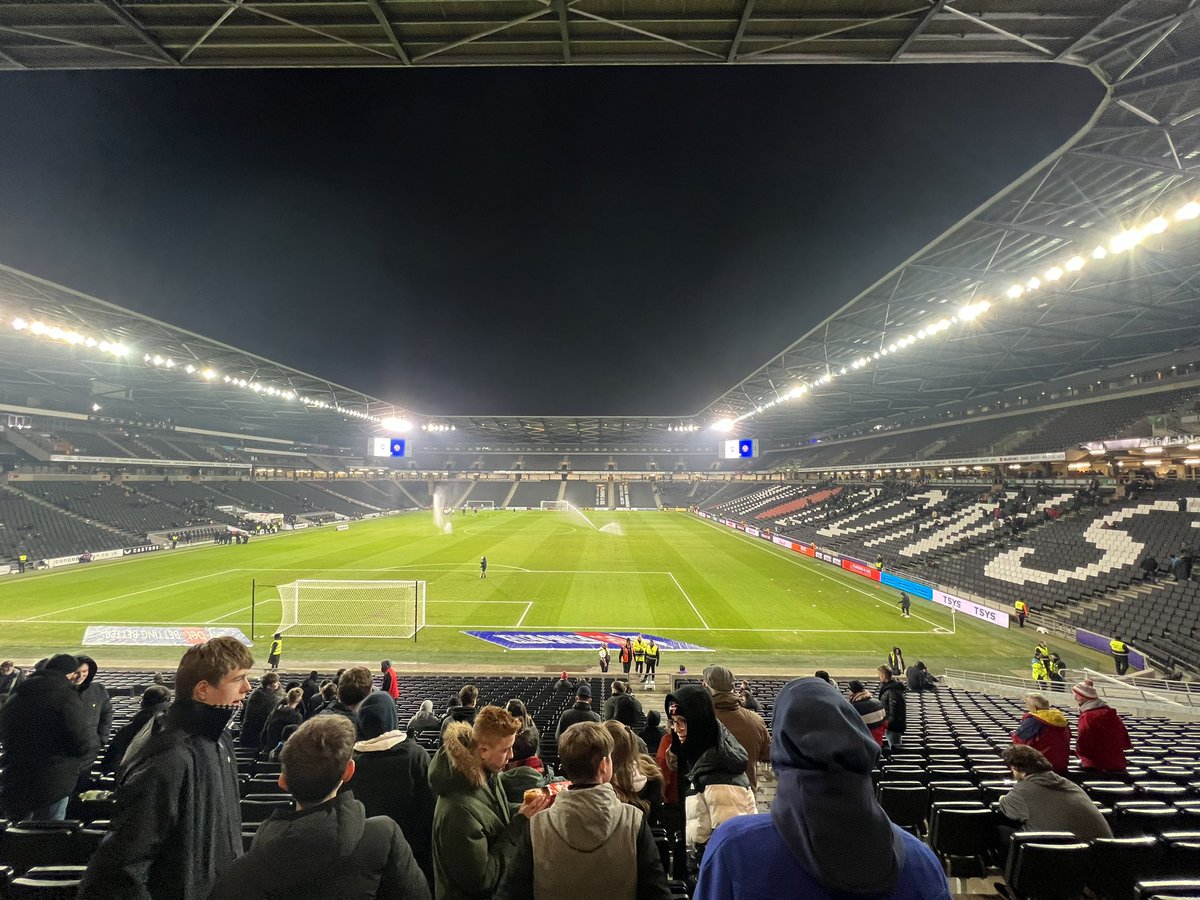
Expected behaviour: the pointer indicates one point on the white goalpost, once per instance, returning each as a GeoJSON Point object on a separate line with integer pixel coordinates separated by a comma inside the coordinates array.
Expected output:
{"type": "Point", "coordinates": [560, 505]}
{"type": "Point", "coordinates": [481, 504]}
{"type": "Point", "coordinates": [361, 609]}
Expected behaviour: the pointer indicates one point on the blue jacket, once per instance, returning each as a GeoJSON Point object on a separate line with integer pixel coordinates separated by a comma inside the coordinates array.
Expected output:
{"type": "Point", "coordinates": [748, 860]}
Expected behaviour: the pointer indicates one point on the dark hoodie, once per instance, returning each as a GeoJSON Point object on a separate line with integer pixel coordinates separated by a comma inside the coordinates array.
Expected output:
{"type": "Point", "coordinates": [155, 701]}
{"type": "Point", "coordinates": [96, 704]}
{"type": "Point", "coordinates": [328, 850]}
{"type": "Point", "coordinates": [710, 755]}
{"type": "Point", "coordinates": [48, 739]}
{"type": "Point", "coordinates": [826, 835]}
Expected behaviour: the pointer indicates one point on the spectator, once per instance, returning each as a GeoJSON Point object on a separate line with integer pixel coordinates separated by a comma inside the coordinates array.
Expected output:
{"type": "Point", "coordinates": [276, 752]}
{"type": "Point", "coordinates": [896, 660]}
{"type": "Point", "coordinates": [653, 731]}
{"type": "Point", "coordinates": [826, 835]}
{"type": "Point", "coordinates": [873, 714]}
{"type": "Point", "coordinates": [377, 714]}
{"type": "Point", "coordinates": [824, 676]}
{"type": "Point", "coordinates": [468, 696]}
{"type": "Point", "coordinates": [581, 711]}
{"type": "Point", "coordinates": [525, 747]}
{"type": "Point", "coordinates": [327, 698]}
{"type": "Point", "coordinates": [622, 705]}
{"type": "Point", "coordinates": [48, 738]}
{"type": "Point", "coordinates": [710, 762]}
{"type": "Point", "coordinates": [1102, 739]}
{"type": "Point", "coordinates": [355, 684]}
{"type": "Point", "coordinates": [327, 842]}
{"type": "Point", "coordinates": [98, 709]}
{"type": "Point", "coordinates": [588, 845]}
{"type": "Point", "coordinates": [391, 684]}
{"type": "Point", "coordinates": [178, 824]}
{"type": "Point", "coordinates": [475, 831]}
{"type": "Point", "coordinates": [565, 682]}
{"type": "Point", "coordinates": [919, 679]}
{"type": "Point", "coordinates": [1043, 800]}
{"type": "Point", "coordinates": [1046, 730]}
{"type": "Point", "coordinates": [747, 728]}
{"type": "Point", "coordinates": [10, 677]}
{"type": "Point", "coordinates": [288, 712]}
{"type": "Point", "coordinates": [891, 695]}
{"type": "Point", "coordinates": [155, 700]}
{"type": "Point", "coordinates": [424, 719]}
{"type": "Point", "coordinates": [636, 777]}
{"type": "Point", "coordinates": [747, 697]}
{"type": "Point", "coordinates": [312, 688]}
{"type": "Point", "coordinates": [391, 779]}
{"type": "Point", "coordinates": [258, 708]}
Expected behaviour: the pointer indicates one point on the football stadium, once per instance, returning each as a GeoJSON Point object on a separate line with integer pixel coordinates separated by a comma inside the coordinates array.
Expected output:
{"type": "Point", "coordinates": [968, 499]}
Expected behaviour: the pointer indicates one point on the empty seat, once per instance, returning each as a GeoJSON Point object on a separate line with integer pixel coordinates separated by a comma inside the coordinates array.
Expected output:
{"type": "Point", "coordinates": [905, 803]}
{"type": "Point", "coordinates": [962, 836]}
{"type": "Point", "coordinates": [1046, 871]}
{"type": "Point", "coordinates": [257, 811]}
{"type": "Point", "coordinates": [1119, 863]}
{"type": "Point", "coordinates": [29, 844]}
{"type": "Point", "coordinates": [1167, 888]}
{"type": "Point", "coordinates": [47, 883]}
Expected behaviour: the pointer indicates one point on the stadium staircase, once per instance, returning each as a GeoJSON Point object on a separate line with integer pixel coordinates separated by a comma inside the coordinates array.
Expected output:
{"type": "Point", "coordinates": [415, 502]}
{"type": "Point", "coordinates": [783, 509]}
{"type": "Point", "coordinates": [511, 491]}
{"type": "Point", "coordinates": [353, 500]}
{"type": "Point", "coordinates": [22, 443]}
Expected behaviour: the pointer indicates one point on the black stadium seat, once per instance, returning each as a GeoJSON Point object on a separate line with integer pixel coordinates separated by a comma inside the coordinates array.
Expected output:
{"type": "Point", "coordinates": [1046, 870]}
{"type": "Point", "coordinates": [1119, 863]}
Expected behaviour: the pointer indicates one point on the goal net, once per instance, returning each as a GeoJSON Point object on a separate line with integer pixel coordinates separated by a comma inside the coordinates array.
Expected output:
{"type": "Point", "coordinates": [556, 504]}
{"type": "Point", "coordinates": [364, 609]}
{"type": "Point", "coordinates": [481, 504]}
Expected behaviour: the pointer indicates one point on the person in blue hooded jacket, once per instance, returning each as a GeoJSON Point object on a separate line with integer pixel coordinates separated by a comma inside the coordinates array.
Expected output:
{"type": "Point", "coordinates": [826, 836]}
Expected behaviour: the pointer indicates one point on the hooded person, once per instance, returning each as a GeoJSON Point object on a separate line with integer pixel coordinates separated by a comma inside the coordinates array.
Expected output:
{"type": "Point", "coordinates": [327, 846]}
{"type": "Point", "coordinates": [257, 709]}
{"type": "Point", "coordinates": [476, 828]}
{"type": "Point", "coordinates": [424, 719]}
{"type": "Point", "coordinates": [1046, 730]}
{"type": "Point", "coordinates": [1102, 739]}
{"type": "Point", "coordinates": [747, 728]}
{"type": "Point", "coordinates": [919, 679]}
{"type": "Point", "coordinates": [826, 835]}
{"type": "Point", "coordinates": [391, 778]}
{"type": "Point", "coordinates": [155, 700]}
{"type": "Point", "coordinates": [710, 762]}
{"type": "Point", "coordinates": [96, 703]}
{"type": "Point", "coordinates": [48, 739]}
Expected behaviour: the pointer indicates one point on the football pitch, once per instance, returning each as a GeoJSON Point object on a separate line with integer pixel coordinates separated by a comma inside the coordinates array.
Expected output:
{"type": "Point", "coordinates": [757, 606]}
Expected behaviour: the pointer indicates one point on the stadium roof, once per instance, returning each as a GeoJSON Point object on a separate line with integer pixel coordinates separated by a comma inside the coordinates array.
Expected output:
{"type": "Point", "coordinates": [1135, 160]}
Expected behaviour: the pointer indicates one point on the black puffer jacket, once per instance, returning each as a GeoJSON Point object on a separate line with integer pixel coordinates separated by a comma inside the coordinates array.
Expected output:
{"type": "Point", "coordinates": [891, 695]}
{"type": "Point", "coordinates": [328, 850]}
{"type": "Point", "coordinates": [96, 703]}
{"type": "Point", "coordinates": [48, 739]}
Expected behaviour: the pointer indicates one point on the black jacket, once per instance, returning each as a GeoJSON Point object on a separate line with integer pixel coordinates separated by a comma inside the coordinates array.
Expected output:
{"type": "Point", "coordinates": [625, 708]}
{"type": "Point", "coordinates": [891, 695]}
{"type": "Point", "coordinates": [391, 778]}
{"type": "Point", "coordinates": [48, 740]}
{"type": "Point", "coordinates": [178, 823]}
{"type": "Point", "coordinates": [459, 714]}
{"type": "Point", "coordinates": [311, 687]}
{"type": "Point", "coordinates": [115, 751]}
{"type": "Point", "coordinates": [919, 679]}
{"type": "Point", "coordinates": [581, 712]}
{"type": "Point", "coordinates": [256, 709]}
{"type": "Point", "coordinates": [328, 850]}
{"type": "Point", "coordinates": [96, 703]}
{"type": "Point", "coordinates": [281, 717]}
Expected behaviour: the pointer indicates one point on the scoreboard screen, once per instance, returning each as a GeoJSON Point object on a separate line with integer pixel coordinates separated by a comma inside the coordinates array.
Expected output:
{"type": "Point", "coordinates": [743, 448]}
{"type": "Point", "coordinates": [385, 446]}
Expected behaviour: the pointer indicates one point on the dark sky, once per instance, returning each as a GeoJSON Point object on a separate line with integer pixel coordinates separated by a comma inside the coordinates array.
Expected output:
{"type": "Point", "coordinates": [543, 240]}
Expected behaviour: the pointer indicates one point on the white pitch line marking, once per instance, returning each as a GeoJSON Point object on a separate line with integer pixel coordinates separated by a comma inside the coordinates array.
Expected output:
{"type": "Point", "coordinates": [521, 621]}
{"type": "Point", "coordinates": [688, 599]}
{"type": "Point", "coordinates": [148, 590]}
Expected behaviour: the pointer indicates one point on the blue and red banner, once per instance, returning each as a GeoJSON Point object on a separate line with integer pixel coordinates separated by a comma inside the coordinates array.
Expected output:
{"type": "Point", "coordinates": [576, 640]}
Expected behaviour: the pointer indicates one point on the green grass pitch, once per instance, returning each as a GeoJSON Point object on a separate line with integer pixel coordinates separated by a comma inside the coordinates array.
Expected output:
{"type": "Point", "coordinates": [762, 608]}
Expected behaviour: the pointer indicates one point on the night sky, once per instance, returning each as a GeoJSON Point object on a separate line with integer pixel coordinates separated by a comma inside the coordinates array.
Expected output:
{"type": "Point", "coordinates": [542, 240]}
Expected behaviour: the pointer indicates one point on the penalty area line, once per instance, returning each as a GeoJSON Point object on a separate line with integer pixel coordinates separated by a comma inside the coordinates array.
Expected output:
{"type": "Point", "coordinates": [689, 600]}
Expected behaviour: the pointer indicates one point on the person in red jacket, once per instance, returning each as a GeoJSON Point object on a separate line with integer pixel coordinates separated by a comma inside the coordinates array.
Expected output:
{"type": "Point", "coordinates": [391, 684]}
{"type": "Point", "coordinates": [1045, 729]}
{"type": "Point", "coordinates": [1102, 739]}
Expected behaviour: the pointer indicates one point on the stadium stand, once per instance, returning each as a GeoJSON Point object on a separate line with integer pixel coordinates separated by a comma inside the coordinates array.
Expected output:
{"type": "Point", "coordinates": [116, 505]}
{"type": "Point", "coordinates": [483, 491]}
{"type": "Point", "coordinates": [543, 462]}
{"type": "Point", "coordinates": [257, 497]}
{"type": "Point", "coordinates": [581, 493]}
{"type": "Point", "coordinates": [531, 493]}
{"type": "Point", "coordinates": [641, 495]}
{"type": "Point", "coordinates": [313, 498]}
{"type": "Point", "coordinates": [45, 532]}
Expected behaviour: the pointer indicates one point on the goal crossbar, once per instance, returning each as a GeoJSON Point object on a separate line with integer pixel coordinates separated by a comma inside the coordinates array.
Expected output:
{"type": "Point", "coordinates": [561, 505]}
{"type": "Point", "coordinates": [349, 608]}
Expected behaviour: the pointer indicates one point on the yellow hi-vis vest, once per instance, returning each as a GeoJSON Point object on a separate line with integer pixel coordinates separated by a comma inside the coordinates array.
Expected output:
{"type": "Point", "coordinates": [277, 647]}
{"type": "Point", "coordinates": [1118, 646]}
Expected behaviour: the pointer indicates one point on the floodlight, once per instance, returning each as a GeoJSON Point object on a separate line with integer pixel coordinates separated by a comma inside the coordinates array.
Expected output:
{"type": "Point", "coordinates": [1054, 273]}
{"type": "Point", "coordinates": [20, 324]}
{"type": "Point", "coordinates": [1099, 252]}
{"type": "Point", "coordinates": [1126, 240]}
{"type": "Point", "coordinates": [1157, 225]}
{"type": "Point", "coordinates": [725, 425]}
{"type": "Point", "coordinates": [1075, 263]}
{"type": "Point", "coordinates": [1189, 210]}
{"type": "Point", "coordinates": [1033, 284]}
{"type": "Point", "coordinates": [1015, 291]}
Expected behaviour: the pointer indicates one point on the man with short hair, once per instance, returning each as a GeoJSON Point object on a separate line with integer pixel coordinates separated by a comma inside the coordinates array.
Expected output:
{"type": "Point", "coordinates": [327, 846]}
{"type": "Point", "coordinates": [356, 683]}
{"type": "Point", "coordinates": [891, 695]}
{"type": "Point", "coordinates": [1043, 800]}
{"type": "Point", "coordinates": [468, 696]}
{"type": "Point", "coordinates": [257, 708]}
{"type": "Point", "coordinates": [826, 835]}
{"type": "Point", "coordinates": [178, 824]}
{"type": "Point", "coordinates": [48, 738]}
{"type": "Point", "coordinates": [588, 845]}
{"type": "Point", "coordinates": [475, 831]}
{"type": "Point", "coordinates": [622, 705]}
{"type": "Point", "coordinates": [747, 728]}
{"type": "Point", "coordinates": [581, 711]}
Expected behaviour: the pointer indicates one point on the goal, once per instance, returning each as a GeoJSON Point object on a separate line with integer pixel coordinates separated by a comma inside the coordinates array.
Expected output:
{"type": "Point", "coordinates": [363, 609]}
{"type": "Point", "coordinates": [481, 504]}
{"type": "Point", "coordinates": [561, 505]}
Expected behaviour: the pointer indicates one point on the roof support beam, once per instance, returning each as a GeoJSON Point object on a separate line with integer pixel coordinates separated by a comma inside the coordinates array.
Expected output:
{"type": "Point", "coordinates": [1136, 161]}
{"type": "Point", "coordinates": [389, 31]}
{"type": "Point", "coordinates": [1085, 38]}
{"type": "Point", "coordinates": [918, 29]}
{"type": "Point", "coordinates": [229, 11]}
{"type": "Point", "coordinates": [122, 15]}
{"type": "Point", "coordinates": [81, 44]}
{"type": "Point", "coordinates": [487, 32]}
{"type": "Point", "coordinates": [564, 32]}
{"type": "Point", "coordinates": [12, 62]}
{"type": "Point", "coordinates": [747, 12]}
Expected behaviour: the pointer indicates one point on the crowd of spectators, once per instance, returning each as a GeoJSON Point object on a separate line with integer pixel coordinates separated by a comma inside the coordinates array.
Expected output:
{"type": "Point", "coordinates": [373, 814]}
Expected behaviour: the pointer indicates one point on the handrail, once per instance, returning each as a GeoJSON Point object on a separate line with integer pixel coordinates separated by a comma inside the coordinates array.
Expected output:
{"type": "Point", "coordinates": [1164, 695]}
